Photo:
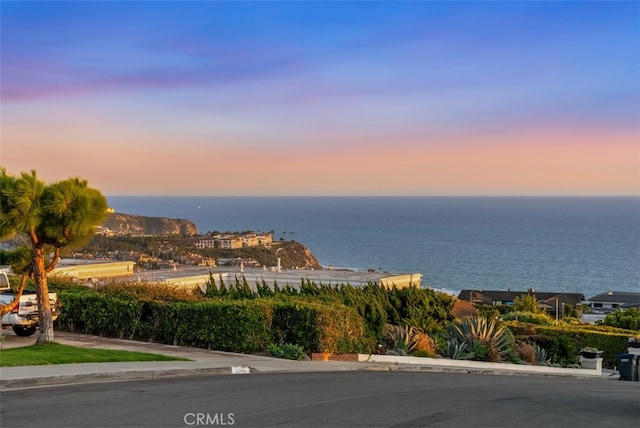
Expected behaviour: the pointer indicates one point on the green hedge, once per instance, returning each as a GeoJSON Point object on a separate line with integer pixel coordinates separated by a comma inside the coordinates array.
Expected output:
{"type": "Point", "coordinates": [236, 326]}
{"type": "Point", "coordinates": [570, 339]}
{"type": "Point", "coordinates": [318, 327]}
{"type": "Point", "coordinates": [89, 312]}
{"type": "Point", "coordinates": [230, 325]}
{"type": "Point", "coordinates": [539, 318]}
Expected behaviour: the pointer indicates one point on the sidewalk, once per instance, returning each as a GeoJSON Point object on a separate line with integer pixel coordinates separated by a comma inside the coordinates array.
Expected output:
{"type": "Point", "coordinates": [204, 362]}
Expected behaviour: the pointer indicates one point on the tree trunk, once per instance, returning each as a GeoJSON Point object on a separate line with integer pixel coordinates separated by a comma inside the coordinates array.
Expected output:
{"type": "Point", "coordinates": [5, 309]}
{"type": "Point", "coordinates": [42, 294]}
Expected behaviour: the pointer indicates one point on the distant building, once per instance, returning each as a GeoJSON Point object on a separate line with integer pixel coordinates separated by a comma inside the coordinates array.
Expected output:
{"type": "Point", "coordinates": [229, 242]}
{"type": "Point", "coordinates": [293, 278]}
{"type": "Point", "coordinates": [250, 240]}
{"type": "Point", "coordinates": [612, 300]}
{"type": "Point", "coordinates": [265, 239]}
{"type": "Point", "coordinates": [235, 240]}
{"type": "Point", "coordinates": [80, 270]}
{"type": "Point", "coordinates": [546, 300]}
{"type": "Point", "coordinates": [206, 243]}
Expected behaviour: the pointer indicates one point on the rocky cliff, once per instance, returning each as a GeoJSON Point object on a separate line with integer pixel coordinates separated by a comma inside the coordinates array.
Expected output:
{"type": "Point", "coordinates": [122, 224]}
{"type": "Point", "coordinates": [296, 254]}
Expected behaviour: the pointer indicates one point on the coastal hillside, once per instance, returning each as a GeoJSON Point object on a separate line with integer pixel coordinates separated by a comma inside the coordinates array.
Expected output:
{"type": "Point", "coordinates": [294, 254]}
{"type": "Point", "coordinates": [129, 224]}
{"type": "Point", "coordinates": [159, 239]}
{"type": "Point", "coordinates": [291, 254]}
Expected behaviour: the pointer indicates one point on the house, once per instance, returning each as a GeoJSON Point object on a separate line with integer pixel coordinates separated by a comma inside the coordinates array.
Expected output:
{"type": "Point", "coordinates": [265, 239]}
{"type": "Point", "coordinates": [229, 242]}
{"type": "Point", "coordinates": [612, 300]}
{"type": "Point", "coordinates": [250, 240]}
{"type": "Point", "coordinates": [234, 240]}
{"type": "Point", "coordinates": [206, 243]}
{"type": "Point", "coordinates": [548, 301]}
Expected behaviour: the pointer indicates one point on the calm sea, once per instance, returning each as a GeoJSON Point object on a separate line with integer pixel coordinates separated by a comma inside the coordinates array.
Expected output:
{"type": "Point", "coordinates": [581, 245]}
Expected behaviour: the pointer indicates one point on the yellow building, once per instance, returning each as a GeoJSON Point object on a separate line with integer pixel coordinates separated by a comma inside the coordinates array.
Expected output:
{"type": "Point", "coordinates": [80, 270]}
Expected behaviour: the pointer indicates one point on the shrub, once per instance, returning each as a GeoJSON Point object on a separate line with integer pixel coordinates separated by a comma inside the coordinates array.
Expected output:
{"type": "Point", "coordinates": [562, 350]}
{"type": "Point", "coordinates": [286, 351]}
{"type": "Point", "coordinates": [60, 283]}
{"type": "Point", "coordinates": [379, 305]}
{"type": "Point", "coordinates": [542, 355]}
{"type": "Point", "coordinates": [489, 312]}
{"type": "Point", "coordinates": [318, 318]}
{"type": "Point", "coordinates": [150, 291]}
{"type": "Point", "coordinates": [86, 311]}
{"type": "Point", "coordinates": [317, 327]}
{"type": "Point", "coordinates": [397, 339]}
{"type": "Point", "coordinates": [623, 318]}
{"type": "Point", "coordinates": [404, 340]}
{"type": "Point", "coordinates": [529, 317]}
{"type": "Point", "coordinates": [526, 303]}
{"type": "Point", "coordinates": [563, 342]}
{"type": "Point", "coordinates": [423, 320]}
{"type": "Point", "coordinates": [526, 351]}
{"type": "Point", "coordinates": [236, 326]}
{"type": "Point", "coordinates": [240, 326]}
{"type": "Point", "coordinates": [457, 350]}
{"type": "Point", "coordinates": [423, 344]}
{"type": "Point", "coordinates": [486, 339]}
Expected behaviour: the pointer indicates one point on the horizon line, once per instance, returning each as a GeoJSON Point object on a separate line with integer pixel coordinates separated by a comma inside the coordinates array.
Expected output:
{"type": "Point", "coordinates": [374, 196]}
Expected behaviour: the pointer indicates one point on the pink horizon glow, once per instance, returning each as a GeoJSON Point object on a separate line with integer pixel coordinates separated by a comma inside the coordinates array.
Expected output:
{"type": "Point", "coordinates": [537, 163]}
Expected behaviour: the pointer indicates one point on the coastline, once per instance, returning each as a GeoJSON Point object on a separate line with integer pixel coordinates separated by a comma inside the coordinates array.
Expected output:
{"type": "Point", "coordinates": [579, 244]}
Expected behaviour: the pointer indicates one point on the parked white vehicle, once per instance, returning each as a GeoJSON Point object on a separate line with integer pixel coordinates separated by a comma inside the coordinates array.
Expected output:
{"type": "Point", "coordinates": [24, 318]}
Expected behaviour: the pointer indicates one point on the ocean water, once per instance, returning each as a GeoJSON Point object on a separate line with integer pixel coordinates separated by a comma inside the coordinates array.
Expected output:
{"type": "Point", "coordinates": [578, 244]}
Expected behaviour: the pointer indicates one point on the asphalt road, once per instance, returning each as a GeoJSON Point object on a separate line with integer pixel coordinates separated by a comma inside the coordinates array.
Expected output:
{"type": "Point", "coordinates": [346, 399]}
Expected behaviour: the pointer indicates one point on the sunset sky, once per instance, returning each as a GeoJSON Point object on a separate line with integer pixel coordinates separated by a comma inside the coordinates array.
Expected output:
{"type": "Point", "coordinates": [324, 98]}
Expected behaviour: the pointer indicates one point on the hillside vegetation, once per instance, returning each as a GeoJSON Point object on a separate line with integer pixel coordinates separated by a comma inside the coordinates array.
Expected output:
{"type": "Point", "coordinates": [326, 319]}
{"type": "Point", "coordinates": [181, 249]}
{"type": "Point", "coordinates": [141, 225]}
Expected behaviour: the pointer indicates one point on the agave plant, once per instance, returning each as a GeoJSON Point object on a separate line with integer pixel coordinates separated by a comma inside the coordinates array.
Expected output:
{"type": "Point", "coordinates": [541, 355]}
{"type": "Point", "coordinates": [423, 321]}
{"type": "Point", "coordinates": [480, 333]}
{"type": "Point", "coordinates": [404, 340]}
{"type": "Point", "coordinates": [457, 350]}
{"type": "Point", "coordinates": [397, 339]}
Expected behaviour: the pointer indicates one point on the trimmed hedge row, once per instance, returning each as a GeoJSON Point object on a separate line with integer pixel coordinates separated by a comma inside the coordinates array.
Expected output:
{"type": "Point", "coordinates": [320, 327]}
{"type": "Point", "coordinates": [227, 325]}
{"type": "Point", "coordinates": [569, 340]}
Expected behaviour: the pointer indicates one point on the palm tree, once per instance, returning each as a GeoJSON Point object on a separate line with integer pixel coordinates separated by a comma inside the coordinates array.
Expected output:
{"type": "Point", "coordinates": [54, 217]}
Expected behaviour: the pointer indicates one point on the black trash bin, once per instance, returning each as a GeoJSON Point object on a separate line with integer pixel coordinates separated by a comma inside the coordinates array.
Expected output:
{"type": "Point", "coordinates": [627, 366]}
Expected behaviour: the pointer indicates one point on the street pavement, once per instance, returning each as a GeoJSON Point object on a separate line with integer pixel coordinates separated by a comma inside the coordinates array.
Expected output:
{"type": "Point", "coordinates": [202, 362]}
{"type": "Point", "coordinates": [366, 399]}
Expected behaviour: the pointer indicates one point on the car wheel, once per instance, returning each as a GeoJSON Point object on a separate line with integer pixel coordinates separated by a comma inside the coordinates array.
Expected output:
{"type": "Point", "coordinates": [23, 331]}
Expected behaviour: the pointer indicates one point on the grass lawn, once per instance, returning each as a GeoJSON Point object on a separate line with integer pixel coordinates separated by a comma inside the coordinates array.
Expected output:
{"type": "Point", "coordinates": [55, 353]}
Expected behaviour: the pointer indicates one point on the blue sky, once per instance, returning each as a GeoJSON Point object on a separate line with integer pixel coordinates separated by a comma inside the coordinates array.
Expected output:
{"type": "Point", "coordinates": [348, 97]}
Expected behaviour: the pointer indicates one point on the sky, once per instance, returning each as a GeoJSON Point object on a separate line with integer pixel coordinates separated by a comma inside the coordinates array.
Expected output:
{"type": "Point", "coordinates": [324, 98]}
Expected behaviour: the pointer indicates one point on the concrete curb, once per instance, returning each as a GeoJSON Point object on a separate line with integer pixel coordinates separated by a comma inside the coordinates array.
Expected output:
{"type": "Point", "coordinates": [68, 379]}
{"type": "Point", "coordinates": [7, 384]}
{"type": "Point", "coordinates": [410, 363]}
{"type": "Point", "coordinates": [432, 369]}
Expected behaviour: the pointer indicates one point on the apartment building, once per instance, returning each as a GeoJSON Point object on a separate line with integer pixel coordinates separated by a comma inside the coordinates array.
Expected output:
{"type": "Point", "coordinates": [206, 243]}
{"type": "Point", "coordinates": [233, 241]}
